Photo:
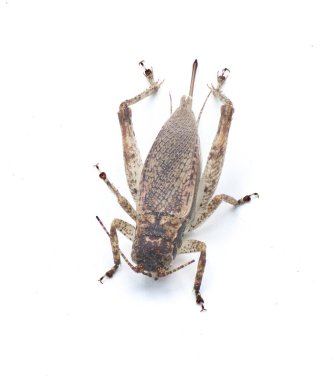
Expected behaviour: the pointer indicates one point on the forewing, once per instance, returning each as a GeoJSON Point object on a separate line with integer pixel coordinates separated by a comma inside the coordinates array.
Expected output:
{"type": "Point", "coordinates": [171, 171]}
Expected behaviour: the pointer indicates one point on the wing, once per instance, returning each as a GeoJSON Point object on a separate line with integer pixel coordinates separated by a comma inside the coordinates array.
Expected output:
{"type": "Point", "coordinates": [171, 171]}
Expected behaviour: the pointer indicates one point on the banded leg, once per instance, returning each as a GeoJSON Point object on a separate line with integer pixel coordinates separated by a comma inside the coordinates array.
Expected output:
{"type": "Point", "coordinates": [132, 157]}
{"type": "Point", "coordinates": [189, 246]}
{"type": "Point", "coordinates": [123, 202]}
{"type": "Point", "coordinates": [206, 205]}
{"type": "Point", "coordinates": [206, 212]}
{"type": "Point", "coordinates": [129, 231]}
{"type": "Point", "coordinates": [212, 172]}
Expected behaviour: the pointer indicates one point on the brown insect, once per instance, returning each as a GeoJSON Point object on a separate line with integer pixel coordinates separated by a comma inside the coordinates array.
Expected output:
{"type": "Point", "coordinates": [172, 197]}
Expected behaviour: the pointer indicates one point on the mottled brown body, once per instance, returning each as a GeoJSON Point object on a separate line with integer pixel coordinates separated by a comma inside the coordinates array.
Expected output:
{"type": "Point", "coordinates": [167, 188]}
{"type": "Point", "coordinates": [171, 196]}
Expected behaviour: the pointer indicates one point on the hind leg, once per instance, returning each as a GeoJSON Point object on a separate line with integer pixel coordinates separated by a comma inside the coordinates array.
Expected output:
{"type": "Point", "coordinates": [206, 205]}
{"type": "Point", "coordinates": [213, 168]}
{"type": "Point", "coordinates": [132, 157]}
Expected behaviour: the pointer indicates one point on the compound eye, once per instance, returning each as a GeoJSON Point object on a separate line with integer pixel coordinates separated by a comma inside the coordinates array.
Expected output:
{"type": "Point", "coordinates": [166, 260]}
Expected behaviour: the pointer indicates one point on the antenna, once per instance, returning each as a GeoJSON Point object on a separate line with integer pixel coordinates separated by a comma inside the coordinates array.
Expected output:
{"type": "Point", "coordinates": [194, 70]}
{"type": "Point", "coordinates": [178, 268]}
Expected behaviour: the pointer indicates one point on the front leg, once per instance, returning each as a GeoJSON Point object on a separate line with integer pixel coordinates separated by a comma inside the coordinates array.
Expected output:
{"type": "Point", "coordinates": [129, 231]}
{"type": "Point", "coordinates": [132, 157]}
{"type": "Point", "coordinates": [189, 246]}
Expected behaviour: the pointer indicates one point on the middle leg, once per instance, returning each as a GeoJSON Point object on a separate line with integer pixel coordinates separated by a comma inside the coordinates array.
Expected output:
{"type": "Point", "coordinates": [123, 202]}
{"type": "Point", "coordinates": [206, 212]}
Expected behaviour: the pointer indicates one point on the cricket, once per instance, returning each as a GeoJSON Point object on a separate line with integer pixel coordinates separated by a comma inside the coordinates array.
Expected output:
{"type": "Point", "coordinates": [171, 193]}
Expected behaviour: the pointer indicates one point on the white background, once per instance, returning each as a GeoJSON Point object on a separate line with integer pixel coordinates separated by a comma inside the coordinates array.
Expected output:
{"type": "Point", "coordinates": [269, 283]}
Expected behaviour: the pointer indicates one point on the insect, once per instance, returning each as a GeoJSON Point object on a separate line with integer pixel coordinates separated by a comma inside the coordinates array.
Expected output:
{"type": "Point", "coordinates": [171, 194]}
